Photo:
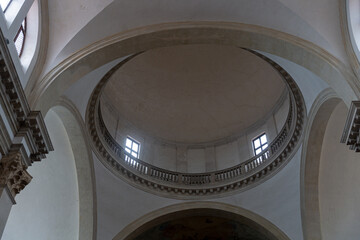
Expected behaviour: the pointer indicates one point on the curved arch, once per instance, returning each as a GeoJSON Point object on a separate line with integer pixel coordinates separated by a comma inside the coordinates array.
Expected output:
{"type": "Point", "coordinates": [72, 122]}
{"type": "Point", "coordinates": [319, 116]}
{"type": "Point", "coordinates": [302, 52]}
{"type": "Point", "coordinates": [38, 61]}
{"type": "Point", "coordinates": [166, 213]}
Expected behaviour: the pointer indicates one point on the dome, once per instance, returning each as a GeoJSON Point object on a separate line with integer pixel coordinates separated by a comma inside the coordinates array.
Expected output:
{"type": "Point", "coordinates": [191, 94]}
{"type": "Point", "coordinates": [202, 119]}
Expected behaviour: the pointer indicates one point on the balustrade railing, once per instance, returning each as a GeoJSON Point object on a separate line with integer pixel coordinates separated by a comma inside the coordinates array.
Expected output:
{"type": "Point", "coordinates": [228, 174]}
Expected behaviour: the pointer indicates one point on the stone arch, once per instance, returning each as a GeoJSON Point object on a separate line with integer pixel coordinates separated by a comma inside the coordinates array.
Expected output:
{"type": "Point", "coordinates": [197, 208]}
{"type": "Point", "coordinates": [299, 51]}
{"type": "Point", "coordinates": [75, 130]}
{"type": "Point", "coordinates": [319, 116]}
{"type": "Point", "coordinates": [329, 173]}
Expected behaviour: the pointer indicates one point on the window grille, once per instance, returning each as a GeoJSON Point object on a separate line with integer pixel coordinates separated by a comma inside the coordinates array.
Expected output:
{"type": "Point", "coordinates": [133, 148]}
{"type": "Point", "coordinates": [19, 39]}
{"type": "Point", "coordinates": [260, 143]}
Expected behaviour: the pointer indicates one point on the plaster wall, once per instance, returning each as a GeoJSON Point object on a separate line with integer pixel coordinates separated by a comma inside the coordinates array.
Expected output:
{"type": "Point", "coordinates": [67, 17]}
{"type": "Point", "coordinates": [51, 201]}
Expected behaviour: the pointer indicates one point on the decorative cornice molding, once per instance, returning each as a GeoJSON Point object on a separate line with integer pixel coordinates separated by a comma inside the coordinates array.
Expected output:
{"type": "Point", "coordinates": [205, 185]}
{"type": "Point", "coordinates": [20, 114]}
{"type": "Point", "coordinates": [35, 123]}
{"type": "Point", "coordinates": [29, 140]}
{"type": "Point", "coordinates": [351, 133]}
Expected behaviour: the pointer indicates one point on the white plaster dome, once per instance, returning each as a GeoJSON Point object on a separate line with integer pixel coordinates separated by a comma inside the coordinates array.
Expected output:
{"type": "Point", "coordinates": [190, 94]}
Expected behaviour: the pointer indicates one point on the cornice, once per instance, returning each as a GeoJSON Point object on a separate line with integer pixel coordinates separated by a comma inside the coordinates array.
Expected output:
{"type": "Point", "coordinates": [19, 111]}
{"type": "Point", "coordinates": [29, 140]}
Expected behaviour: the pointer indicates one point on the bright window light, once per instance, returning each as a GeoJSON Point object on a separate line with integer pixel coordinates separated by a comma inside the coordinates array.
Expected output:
{"type": "Point", "coordinates": [4, 4]}
{"type": "Point", "coordinates": [260, 143]}
{"type": "Point", "coordinates": [132, 147]}
{"type": "Point", "coordinates": [19, 39]}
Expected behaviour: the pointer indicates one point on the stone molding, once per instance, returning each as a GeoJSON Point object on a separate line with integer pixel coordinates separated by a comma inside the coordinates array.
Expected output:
{"type": "Point", "coordinates": [198, 207]}
{"type": "Point", "coordinates": [19, 113]}
{"type": "Point", "coordinates": [24, 135]}
{"type": "Point", "coordinates": [351, 133]}
{"type": "Point", "coordinates": [13, 174]}
{"type": "Point", "coordinates": [204, 185]}
{"type": "Point", "coordinates": [83, 155]}
{"type": "Point", "coordinates": [318, 116]}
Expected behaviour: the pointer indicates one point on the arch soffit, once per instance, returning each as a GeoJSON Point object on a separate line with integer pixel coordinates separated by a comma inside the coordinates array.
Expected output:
{"type": "Point", "coordinates": [318, 118]}
{"type": "Point", "coordinates": [297, 50]}
{"type": "Point", "coordinates": [76, 132]}
{"type": "Point", "coordinates": [151, 217]}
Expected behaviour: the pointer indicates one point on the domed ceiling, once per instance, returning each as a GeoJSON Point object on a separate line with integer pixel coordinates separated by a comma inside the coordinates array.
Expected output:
{"type": "Point", "coordinates": [193, 93]}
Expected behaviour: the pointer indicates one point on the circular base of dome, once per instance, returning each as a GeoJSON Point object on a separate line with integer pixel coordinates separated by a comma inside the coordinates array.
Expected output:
{"type": "Point", "coordinates": [194, 185]}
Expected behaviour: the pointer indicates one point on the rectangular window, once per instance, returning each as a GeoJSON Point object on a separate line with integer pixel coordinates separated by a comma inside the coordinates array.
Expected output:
{"type": "Point", "coordinates": [260, 143]}
{"type": "Point", "coordinates": [132, 147]}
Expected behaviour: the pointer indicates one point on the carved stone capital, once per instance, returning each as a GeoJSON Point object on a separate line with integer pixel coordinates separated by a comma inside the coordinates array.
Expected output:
{"type": "Point", "coordinates": [351, 133]}
{"type": "Point", "coordinates": [13, 173]}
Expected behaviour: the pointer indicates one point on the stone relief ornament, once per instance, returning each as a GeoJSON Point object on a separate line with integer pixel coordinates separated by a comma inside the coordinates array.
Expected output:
{"type": "Point", "coordinates": [13, 173]}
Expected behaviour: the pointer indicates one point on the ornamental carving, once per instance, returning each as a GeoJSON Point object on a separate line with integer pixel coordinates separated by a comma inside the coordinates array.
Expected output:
{"type": "Point", "coordinates": [13, 173]}
{"type": "Point", "coordinates": [351, 133]}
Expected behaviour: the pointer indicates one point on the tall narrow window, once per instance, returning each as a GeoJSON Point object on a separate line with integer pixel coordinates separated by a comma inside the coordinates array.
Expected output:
{"type": "Point", "coordinates": [20, 38]}
{"type": "Point", "coordinates": [5, 4]}
{"type": "Point", "coordinates": [132, 147]}
{"type": "Point", "coordinates": [260, 143]}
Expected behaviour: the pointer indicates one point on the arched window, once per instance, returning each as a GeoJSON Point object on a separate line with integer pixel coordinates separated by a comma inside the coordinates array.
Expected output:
{"type": "Point", "coordinates": [5, 4]}
{"type": "Point", "coordinates": [20, 38]}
